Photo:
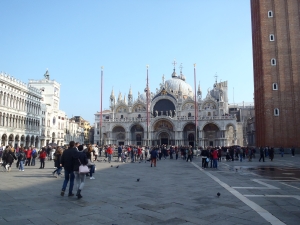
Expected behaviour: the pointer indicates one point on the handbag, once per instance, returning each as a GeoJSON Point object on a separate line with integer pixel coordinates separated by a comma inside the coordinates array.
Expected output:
{"type": "Point", "coordinates": [83, 168]}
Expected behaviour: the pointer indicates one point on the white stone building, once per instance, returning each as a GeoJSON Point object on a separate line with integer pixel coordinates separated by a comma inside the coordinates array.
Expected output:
{"type": "Point", "coordinates": [20, 109]}
{"type": "Point", "coordinates": [172, 117]}
{"type": "Point", "coordinates": [56, 128]}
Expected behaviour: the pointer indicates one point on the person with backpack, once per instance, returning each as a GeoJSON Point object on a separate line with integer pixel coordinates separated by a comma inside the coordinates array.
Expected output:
{"type": "Point", "coordinates": [33, 157]}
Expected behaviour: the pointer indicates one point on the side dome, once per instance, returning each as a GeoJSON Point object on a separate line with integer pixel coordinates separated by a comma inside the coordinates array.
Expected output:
{"type": "Point", "coordinates": [175, 82]}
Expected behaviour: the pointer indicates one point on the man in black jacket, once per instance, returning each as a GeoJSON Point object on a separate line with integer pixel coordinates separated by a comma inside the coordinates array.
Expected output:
{"type": "Point", "coordinates": [67, 163]}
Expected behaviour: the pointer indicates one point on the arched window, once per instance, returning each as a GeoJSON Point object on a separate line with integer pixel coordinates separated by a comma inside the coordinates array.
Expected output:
{"type": "Point", "coordinates": [275, 86]}
{"type": "Point", "coordinates": [276, 112]}
{"type": "Point", "coordinates": [272, 37]}
{"type": "Point", "coordinates": [273, 62]}
{"type": "Point", "coordinates": [270, 13]}
{"type": "Point", "coordinates": [189, 114]}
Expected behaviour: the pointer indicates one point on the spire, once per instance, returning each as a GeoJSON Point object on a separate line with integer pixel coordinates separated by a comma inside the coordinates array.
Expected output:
{"type": "Point", "coordinates": [130, 91]}
{"type": "Point", "coordinates": [120, 97]}
{"type": "Point", "coordinates": [199, 92]}
{"type": "Point", "coordinates": [174, 73]}
{"type": "Point", "coordinates": [130, 96]}
{"type": "Point", "coordinates": [112, 93]}
{"type": "Point", "coordinates": [47, 75]}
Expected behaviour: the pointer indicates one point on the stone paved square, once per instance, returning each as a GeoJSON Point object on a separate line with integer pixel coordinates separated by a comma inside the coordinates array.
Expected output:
{"type": "Point", "coordinates": [174, 192]}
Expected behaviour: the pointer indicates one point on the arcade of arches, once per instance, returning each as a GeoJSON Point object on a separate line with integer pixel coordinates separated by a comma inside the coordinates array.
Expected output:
{"type": "Point", "coordinates": [164, 132]}
{"type": "Point", "coordinates": [23, 141]}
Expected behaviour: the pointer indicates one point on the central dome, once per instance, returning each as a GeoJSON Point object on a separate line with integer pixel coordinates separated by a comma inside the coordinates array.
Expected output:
{"type": "Point", "coordinates": [175, 83]}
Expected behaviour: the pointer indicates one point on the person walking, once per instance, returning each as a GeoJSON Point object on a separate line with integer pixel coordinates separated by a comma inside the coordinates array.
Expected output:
{"type": "Point", "coordinates": [293, 151]}
{"type": "Point", "coordinates": [80, 158]}
{"type": "Point", "coordinates": [110, 152]}
{"type": "Point", "coordinates": [262, 154]}
{"type": "Point", "coordinates": [28, 156]}
{"type": "Point", "coordinates": [215, 158]}
{"type": "Point", "coordinates": [189, 155]}
{"type": "Point", "coordinates": [68, 164]}
{"type": "Point", "coordinates": [153, 155]}
{"type": "Point", "coordinates": [271, 153]}
{"type": "Point", "coordinates": [21, 159]}
{"type": "Point", "coordinates": [204, 155]}
{"type": "Point", "coordinates": [33, 156]}
{"type": "Point", "coordinates": [57, 158]}
{"type": "Point", "coordinates": [281, 151]}
{"type": "Point", "coordinates": [42, 157]}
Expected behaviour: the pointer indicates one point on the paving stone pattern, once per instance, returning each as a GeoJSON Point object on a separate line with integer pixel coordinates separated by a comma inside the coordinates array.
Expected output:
{"type": "Point", "coordinates": [174, 192]}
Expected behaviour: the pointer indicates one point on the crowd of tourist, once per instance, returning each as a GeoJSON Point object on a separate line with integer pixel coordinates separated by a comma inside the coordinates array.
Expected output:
{"type": "Point", "coordinates": [72, 157]}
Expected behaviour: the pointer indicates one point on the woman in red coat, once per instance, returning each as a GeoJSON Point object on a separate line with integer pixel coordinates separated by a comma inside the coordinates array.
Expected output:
{"type": "Point", "coordinates": [43, 155]}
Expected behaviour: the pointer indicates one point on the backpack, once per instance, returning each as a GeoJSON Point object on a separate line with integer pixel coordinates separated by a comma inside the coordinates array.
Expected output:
{"type": "Point", "coordinates": [34, 154]}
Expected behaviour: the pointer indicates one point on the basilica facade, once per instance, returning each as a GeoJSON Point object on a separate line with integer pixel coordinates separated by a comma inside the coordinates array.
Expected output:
{"type": "Point", "coordinates": [172, 117]}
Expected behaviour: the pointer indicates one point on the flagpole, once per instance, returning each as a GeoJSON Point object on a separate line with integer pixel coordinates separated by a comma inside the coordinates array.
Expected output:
{"type": "Point", "coordinates": [196, 110]}
{"type": "Point", "coordinates": [147, 95]}
{"type": "Point", "coordinates": [101, 92]}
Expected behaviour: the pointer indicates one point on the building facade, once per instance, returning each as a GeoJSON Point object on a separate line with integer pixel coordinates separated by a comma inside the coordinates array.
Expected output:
{"type": "Point", "coordinates": [276, 62]}
{"type": "Point", "coordinates": [172, 116]}
{"type": "Point", "coordinates": [85, 125]}
{"type": "Point", "coordinates": [20, 109]}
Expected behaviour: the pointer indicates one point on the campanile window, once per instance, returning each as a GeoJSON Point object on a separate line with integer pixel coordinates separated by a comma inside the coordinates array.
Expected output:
{"type": "Point", "coordinates": [276, 112]}
{"type": "Point", "coordinates": [270, 13]}
{"type": "Point", "coordinates": [272, 37]}
{"type": "Point", "coordinates": [273, 62]}
{"type": "Point", "coordinates": [275, 86]}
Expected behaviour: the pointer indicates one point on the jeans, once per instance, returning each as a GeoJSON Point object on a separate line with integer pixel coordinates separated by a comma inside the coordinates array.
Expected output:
{"type": "Point", "coordinates": [215, 163]}
{"type": "Point", "coordinates": [282, 153]}
{"type": "Point", "coordinates": [109, 157]}
{"type": "Point", "coordinates": [28, 162]}
{"type": "Point", "coordinates": [69, 175]}
{"type": "Point", "coordinates": [241, 157]}
{"type": "Point", "coordinates": [21, 163]}
{"type": "Point", "coordinates": [33, 161]}
{"type": "Point", "coordinates": [58, 170]}
{"type": "Point", "coordinates": [80, 178]}
{"type": "Point", "coordinates": [42, 163]}
{"type": "Point", "coordinates": [92, 170]}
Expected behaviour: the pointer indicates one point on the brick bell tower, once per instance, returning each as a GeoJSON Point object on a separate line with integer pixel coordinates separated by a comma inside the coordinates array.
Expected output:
{"type": "Point", "coordinates": [276, 64]}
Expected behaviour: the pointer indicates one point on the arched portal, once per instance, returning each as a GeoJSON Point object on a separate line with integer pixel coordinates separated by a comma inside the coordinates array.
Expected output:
{"type": "Point", "coordinates": [53, 137]}
{"type": "Point", "coordinates": [118, 135]}
{"type": "Point", "coordinates": [27, 141]}
{"type": "Point", "coordinates": [32, 141]}
{"type": "Point", "coordinates": [189, 134]}
{"type": "Point", "coordinates": [164, 138]}
{"type": "Point", "coordinates": [11, 140]}
{"type": "Point", "coordinates": [163, 132]}
{"type": "Point", "coordinates": [137, 134]}
{"type": "Point", "coordinates": [3, 139]}
{"type": "Point", "coordinates": [211, 134]}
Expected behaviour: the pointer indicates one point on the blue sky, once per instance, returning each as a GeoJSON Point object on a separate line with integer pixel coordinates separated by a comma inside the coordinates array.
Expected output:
{"type": "Point", "coordinates": [73, 39]}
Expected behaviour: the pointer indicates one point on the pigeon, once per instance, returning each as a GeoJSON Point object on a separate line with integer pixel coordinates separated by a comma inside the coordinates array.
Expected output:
{"type": "Point", "coordinates": [218, 194]}
{"type": "Point", "coordinates": [137, 180]}
{"type": "Point", "coordinates": [117, 167]}
{"type": "Point", "coordinates": [111, 166]}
